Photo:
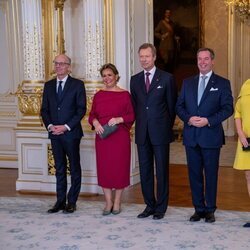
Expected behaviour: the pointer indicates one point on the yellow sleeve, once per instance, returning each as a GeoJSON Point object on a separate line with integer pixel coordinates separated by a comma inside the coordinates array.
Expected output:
{"type": "Point", "coordinates": [237, 111]}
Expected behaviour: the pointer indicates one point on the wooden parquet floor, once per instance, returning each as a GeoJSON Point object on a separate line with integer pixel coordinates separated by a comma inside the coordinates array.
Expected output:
{"type": "Point", "coordinates": [232, 189]}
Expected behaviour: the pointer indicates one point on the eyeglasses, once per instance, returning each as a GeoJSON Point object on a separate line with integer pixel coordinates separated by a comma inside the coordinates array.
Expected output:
{"type": "Point", "coordinates": [61, 64]}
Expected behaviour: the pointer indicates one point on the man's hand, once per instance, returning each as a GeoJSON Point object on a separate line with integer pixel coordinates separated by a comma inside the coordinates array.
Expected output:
{"type": "Point", "coordinates": [198, 121]}
{"type": "Point", "coordinates": [58, 129]}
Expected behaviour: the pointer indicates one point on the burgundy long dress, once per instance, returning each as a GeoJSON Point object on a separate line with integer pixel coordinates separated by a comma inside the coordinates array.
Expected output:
{"type": "Point", "coordinates": [113, 152]}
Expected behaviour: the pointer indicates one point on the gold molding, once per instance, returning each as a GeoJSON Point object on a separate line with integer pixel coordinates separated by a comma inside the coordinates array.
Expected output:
{"type": "Point", "coordinates": [51, 162]}
{"type": "Point", "coordinates": [53, 36]}
{"type": "Point", "coordinates": [8, 158]}
{"type": "Point", "coordinates": [7, 114]}
{"type": "Point", "coordinates": [91, 82]}
{"type": "Point", "coordinates": [32, 81]}
{"type": "Point", "coordinates": [48, 36]}
{"type": "Point", "coordinates": [108, 31]}
{"type": "Point", "coordinates": [59, 5]}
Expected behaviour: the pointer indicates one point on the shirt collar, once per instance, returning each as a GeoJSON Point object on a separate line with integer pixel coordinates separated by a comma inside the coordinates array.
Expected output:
{"type": "Point", "coordinates": [152, 71]}
{"type": "Point", "coordinates": [208, 74]}
{"type": "Point", "coordinates": [63, 80]}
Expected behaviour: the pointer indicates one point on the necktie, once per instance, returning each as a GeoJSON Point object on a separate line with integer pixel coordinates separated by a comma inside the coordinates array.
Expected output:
{"type": "Point", "coordinates": [59, 90]}
{"type": "Point", "coordinates": [147, 81]}
{"type": "Point", "coordinates": [201, 88]}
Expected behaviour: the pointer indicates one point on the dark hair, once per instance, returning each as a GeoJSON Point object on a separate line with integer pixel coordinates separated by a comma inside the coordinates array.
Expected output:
{"type": "Point", "coordinates": [148, 45]}
{"type": "Point", "coordinates": [212, 54]}
{"type": "Point", "coordinates": [110, 66]}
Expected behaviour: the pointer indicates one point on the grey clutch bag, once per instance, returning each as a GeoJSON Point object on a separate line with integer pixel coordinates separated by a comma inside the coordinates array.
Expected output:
{"type": "Point", "coordinates": [108, 130]}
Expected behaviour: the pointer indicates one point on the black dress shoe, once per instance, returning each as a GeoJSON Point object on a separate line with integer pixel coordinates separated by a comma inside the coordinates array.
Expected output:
{"type": "Point", "coordinates": [70, 208]}
{"type": "Point", "coordinates": [56, 208]}
{"type": "Point", "coordinates": [146, 213]}
{"type": "Point", "coordinates": [197, 217]}
{"type": "Point", "coordinates": [209, 217]}
{"type": "Point", "coordinates": [158, 216]}
{"type": "Point", "coordinates": [247, 224]}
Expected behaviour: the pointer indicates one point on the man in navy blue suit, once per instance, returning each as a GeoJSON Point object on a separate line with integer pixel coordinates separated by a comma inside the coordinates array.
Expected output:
{"type": "Point", "coordinates": [63, 107]}
{"type": "Point", "coordinates": [203, 136]}
{"type": "Point", "coordinates": [154, 96]}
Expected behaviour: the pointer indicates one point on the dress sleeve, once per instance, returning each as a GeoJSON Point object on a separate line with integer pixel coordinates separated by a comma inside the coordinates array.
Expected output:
{"type": "Point", "coordinates": [237, 111]}
{"type": "Point", "coordinates": [92, 113]}
{"type": "Point", "coordinates": [129, 115]}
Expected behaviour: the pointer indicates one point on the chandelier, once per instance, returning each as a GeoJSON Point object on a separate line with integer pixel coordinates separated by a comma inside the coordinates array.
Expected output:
{"type": "Point", "coordinates": [241, 7]}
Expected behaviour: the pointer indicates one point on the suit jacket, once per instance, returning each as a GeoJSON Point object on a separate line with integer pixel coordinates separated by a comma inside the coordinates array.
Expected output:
{"type": "Point", "coordinates": [155, 110]}
{"type": "Point", "coordinates": [216, 105]}
{"type": "Point", "coordinates": [69, 110]}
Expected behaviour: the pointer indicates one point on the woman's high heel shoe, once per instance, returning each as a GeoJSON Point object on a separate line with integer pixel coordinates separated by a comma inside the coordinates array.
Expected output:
{"type": "Point", "coordinates": [116, 211]}
{"type": "Point", "coordinates": [107, 212]}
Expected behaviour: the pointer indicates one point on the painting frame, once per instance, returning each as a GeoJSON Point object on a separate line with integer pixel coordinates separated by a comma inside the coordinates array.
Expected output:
{"type": "Point", "coordinates": [189, 32]}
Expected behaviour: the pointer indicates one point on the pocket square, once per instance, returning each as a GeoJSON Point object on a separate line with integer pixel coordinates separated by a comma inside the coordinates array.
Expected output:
{"type": "Point", "coordinates": [159, 87]}
{"type": "Point", "coordinates": [213, 89]}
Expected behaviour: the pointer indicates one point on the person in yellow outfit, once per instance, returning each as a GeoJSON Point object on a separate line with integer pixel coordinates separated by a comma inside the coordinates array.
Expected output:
{"type": "Point", "coordinates": [242, 122]}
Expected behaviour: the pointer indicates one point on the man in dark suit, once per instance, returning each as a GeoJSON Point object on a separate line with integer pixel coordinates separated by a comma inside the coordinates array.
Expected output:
{"type": "Point", "coordinates": [63, 107]}
{"type": "Point", "coordinates": [154, 97]}
{"type": "Point", "coordinates": [203, 112]}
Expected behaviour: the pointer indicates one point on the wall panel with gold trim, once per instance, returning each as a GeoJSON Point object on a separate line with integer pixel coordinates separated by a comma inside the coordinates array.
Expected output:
{"type": "Point", "coordinates": [10, 72]}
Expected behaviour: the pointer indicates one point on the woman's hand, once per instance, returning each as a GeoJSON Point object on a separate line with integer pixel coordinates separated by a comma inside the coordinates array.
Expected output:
{"type": "Point", "coordinates": [243, 140]}
{"type": "Point", "coordinates": [114, 121]}
{"type": "Point", "coordinates": [98, 127]}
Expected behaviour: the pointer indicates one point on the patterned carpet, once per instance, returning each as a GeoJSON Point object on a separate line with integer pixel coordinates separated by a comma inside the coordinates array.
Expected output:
{"type": "Point", "coordinates": [26, 225]}
{"type": "Point", "coordinates": [178, 156]}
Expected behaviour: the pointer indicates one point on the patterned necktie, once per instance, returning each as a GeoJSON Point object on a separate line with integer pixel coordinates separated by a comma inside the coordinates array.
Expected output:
{"type": "Point", "coordinates": [59, 90]}
{"type": "Point", "coordinates": [147, 81]}
{"type": "Point", "coordinates": [201, 88]}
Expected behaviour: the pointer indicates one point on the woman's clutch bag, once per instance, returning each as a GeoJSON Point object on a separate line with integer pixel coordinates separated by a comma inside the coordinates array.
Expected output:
{"type": "Point", "coordinates": [108, 130]}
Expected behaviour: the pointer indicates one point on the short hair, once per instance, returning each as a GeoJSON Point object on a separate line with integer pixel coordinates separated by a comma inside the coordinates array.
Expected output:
{"type": "Point", "coordinates": [67, 57]}
{"type": "Point", "coordinates": [212, 54]}
{"type": "Point", "coordinates": [111, 67]}
{"type": "Point", "coordinates": [148, 45]}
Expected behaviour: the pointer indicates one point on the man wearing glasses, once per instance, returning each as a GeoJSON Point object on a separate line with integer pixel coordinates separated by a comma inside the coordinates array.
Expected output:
{"type": "Point", "coordinates": [63, 107]}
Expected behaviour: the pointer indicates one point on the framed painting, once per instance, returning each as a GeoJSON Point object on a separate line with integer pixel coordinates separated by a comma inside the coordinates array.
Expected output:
{"type": "Point", "coordinates": [177, 36]}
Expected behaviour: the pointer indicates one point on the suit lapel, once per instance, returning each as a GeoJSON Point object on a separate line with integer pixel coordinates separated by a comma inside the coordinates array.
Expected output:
{"type": "Point", "coordinates": [141, 81]}
{"type": "Point", "coordinates": [196, 85]}
{"type": "Point", "coordinates": [54, 90]}
{"type": "Point", "coordinates": [66, 88]}
{"type": "Point", "coordinates": [211, 83]}
{"type": "Point", "coordinates": [155, 80]}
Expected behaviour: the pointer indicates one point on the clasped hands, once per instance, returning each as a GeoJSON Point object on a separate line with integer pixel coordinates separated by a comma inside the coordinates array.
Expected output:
{"type": "Point", "coordinates": [113, 121]}
{"type": "Point", "coordinates": [198, 121]}
{"type": "Point", "coordinates": [58, 129]}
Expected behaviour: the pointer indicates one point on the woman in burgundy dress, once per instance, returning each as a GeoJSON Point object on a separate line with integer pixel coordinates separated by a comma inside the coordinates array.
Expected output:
{"type": "Point", "coordinates": [112, 105]}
